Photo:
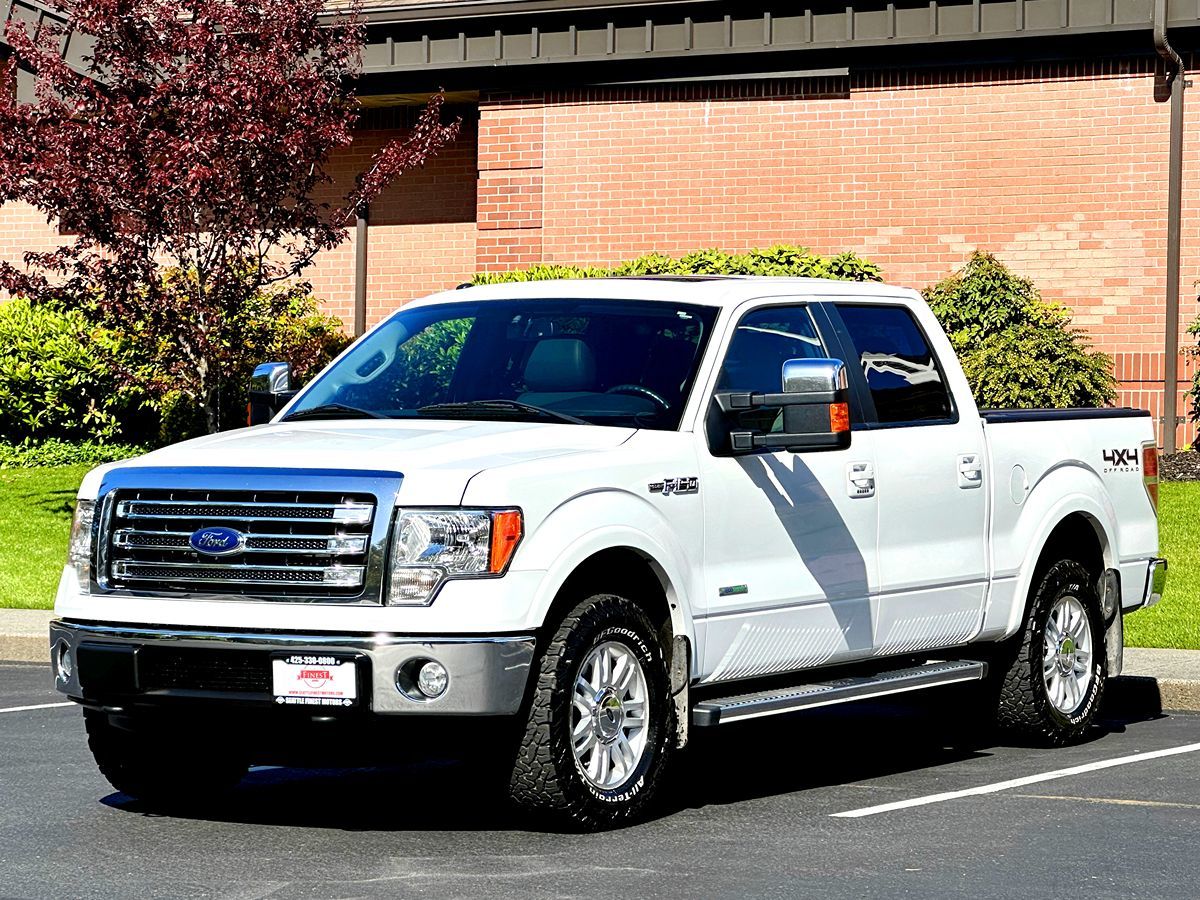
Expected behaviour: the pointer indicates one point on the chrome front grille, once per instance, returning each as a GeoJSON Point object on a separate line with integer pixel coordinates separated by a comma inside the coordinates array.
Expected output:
{"type": "Point", "coordinates": [294, 543]}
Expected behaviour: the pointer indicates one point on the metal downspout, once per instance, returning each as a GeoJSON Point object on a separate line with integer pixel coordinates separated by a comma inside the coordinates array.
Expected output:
{"type": "Point", "coordinates": [1172, 86]}
{"type": "Point", "coordinates": [362, 229]}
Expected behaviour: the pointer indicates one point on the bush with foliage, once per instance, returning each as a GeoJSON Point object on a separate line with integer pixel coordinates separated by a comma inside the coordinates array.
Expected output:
{"type": "Point", "coordinates": [1194, 393]}
{"type": "Point", "coordinates": [197, 393]}
{"type": "Point", "coordinates": [60, 376]}
{"type": "Point", "coordinates": [780, 260]}
{"type": "Point", "coordinates": [54, 452]}
{"type": "Point", "coordinates": [1017, 350]}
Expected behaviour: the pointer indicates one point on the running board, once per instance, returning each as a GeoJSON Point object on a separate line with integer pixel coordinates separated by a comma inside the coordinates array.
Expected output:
{"type": "Point", "coordinates": [839, 690]}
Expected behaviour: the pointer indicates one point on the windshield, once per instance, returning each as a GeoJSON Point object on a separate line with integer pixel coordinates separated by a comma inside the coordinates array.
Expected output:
{"type": "Point", "coordinates": [605, 362]}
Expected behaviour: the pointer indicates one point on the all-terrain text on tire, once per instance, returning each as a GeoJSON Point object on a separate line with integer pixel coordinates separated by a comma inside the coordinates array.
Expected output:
{"type": "Point", "coordinates": [1053, 685]}
{"type": "Point", "coordinates": [600, 724]}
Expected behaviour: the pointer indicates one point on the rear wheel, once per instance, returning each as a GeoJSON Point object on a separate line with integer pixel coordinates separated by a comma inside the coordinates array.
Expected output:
{"type": "Point", "coordinates": [161, 765]}
{"type": "Point", "coordinates": [600, 722]}
{"type": "Point", "coordinates": [1050, 690]}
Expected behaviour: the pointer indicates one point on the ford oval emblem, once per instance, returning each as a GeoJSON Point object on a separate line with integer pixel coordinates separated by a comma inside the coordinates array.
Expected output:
{"type": "Point", "coordinates": [217, 541]}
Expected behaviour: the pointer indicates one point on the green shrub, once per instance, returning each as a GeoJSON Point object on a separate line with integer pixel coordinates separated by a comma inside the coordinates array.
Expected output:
{"type": "Point", "coordinates": [1016, 349]}
{"type": "Point", "coordinates": [60, 376]}
{"type": "Point", "coordinates": [53, 452]}
{"type": "Point", "coordinates": [781, 260]}
{"type": "Point", "coordinates": [1194, 393]}
{"type": "Point", "coordinates": [193, 388]}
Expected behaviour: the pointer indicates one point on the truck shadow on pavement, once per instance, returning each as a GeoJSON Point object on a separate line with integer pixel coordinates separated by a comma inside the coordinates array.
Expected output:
{"type": "Point", "coordinates": [723, 766]}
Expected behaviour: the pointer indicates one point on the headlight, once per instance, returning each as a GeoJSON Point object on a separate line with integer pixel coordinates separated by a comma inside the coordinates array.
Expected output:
{"type": "Point", "coordinates": [429, 546]}
{"type": "Point", "coordinates": [79, 550]}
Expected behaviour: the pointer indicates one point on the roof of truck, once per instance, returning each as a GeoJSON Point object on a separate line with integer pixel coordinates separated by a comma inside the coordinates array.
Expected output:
{"type": "Point", "coordinates": [705, 290]}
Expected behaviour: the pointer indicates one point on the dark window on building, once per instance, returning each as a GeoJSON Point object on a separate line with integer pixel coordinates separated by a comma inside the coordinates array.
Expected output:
{"type": "Point", "coordinates": [906, 382]}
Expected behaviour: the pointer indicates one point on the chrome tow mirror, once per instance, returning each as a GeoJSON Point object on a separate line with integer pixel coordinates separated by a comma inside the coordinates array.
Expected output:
{"type": "Point", "coordinates": [270, 390]}
{"type": "Point", "coordinates": [815, 407]}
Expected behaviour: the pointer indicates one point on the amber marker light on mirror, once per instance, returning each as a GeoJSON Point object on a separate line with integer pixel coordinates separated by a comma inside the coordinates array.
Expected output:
{"type": "Point", "coordinates": [507, 528]}
{"type": "Point", "coordinates": [1150, 471]}
{"type": "Point", "coordinates": [839, 417]}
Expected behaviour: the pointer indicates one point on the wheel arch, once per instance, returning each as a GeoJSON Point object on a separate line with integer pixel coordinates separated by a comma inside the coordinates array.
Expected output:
{"type": "Point", "coordinates": [615, 539]}
{"type": "Point", "coordinates": [625, 570]}
{"type": "Point", "coordinates": [1076, 527]}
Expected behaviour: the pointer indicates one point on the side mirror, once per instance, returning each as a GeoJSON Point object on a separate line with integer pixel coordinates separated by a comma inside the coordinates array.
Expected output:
{"type": "Point", "coordinates": [816, 409]}
{"type": "Point", "coordinates": [270, 390]}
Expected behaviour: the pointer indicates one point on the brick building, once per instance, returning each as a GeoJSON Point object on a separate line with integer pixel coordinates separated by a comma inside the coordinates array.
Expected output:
{"type": "Point", "coordinates": [910, 131]}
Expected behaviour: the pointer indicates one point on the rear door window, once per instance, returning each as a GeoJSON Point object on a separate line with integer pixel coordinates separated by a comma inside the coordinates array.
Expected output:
{"type": "Point", "coordinates": [902, 374]}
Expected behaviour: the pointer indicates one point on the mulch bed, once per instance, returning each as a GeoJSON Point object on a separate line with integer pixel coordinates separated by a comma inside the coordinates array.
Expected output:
{"type": "Point", "coordinates": [1183, 466]}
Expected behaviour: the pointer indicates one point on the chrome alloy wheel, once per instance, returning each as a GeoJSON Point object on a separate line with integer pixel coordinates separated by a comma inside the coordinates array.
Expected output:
{"type": "Point", "coordinates": [608, 715]}
{"type": "Point", "coordinates": [1067, 655]}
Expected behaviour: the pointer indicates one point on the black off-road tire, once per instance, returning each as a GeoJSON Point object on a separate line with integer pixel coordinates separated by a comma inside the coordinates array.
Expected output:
{"type": "Point", "coordinates": [162, 768]}
{"type": "Point", "coordinates": [545, 779]}
{"type": "Point", "coordinates": [1024, 710]}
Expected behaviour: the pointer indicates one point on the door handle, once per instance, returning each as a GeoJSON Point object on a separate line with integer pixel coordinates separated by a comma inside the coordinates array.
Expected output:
{"type": "Point", "coordinates": [860, 479]}
{"type": "Point", "coordinates": [970, 471]}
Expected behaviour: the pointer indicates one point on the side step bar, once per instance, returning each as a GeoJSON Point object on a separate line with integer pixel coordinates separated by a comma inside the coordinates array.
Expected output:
{"type": "Point", "coordinates": [839, 690]}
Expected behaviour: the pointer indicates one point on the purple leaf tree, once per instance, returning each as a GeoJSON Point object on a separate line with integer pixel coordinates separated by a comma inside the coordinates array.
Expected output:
{"type": "Point", "coordinates": [186, 162]}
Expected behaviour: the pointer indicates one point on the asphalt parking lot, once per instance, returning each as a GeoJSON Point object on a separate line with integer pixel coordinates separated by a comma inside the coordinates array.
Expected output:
{"type": "Point", "coordinates": [758, 809]}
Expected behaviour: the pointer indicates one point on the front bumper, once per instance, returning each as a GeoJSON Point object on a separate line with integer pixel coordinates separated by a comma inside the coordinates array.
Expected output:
{"type": "Point", "coordinates": [488, 675]}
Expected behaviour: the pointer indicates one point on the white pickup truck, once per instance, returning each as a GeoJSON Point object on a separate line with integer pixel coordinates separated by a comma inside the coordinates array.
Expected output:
{"type": "Point", "coordinates": [569, 521]}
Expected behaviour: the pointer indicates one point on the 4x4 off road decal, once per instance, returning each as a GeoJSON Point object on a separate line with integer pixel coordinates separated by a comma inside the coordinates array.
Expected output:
{"type": "Point", "coordinates": [1121, 461]}
{"type": "Point", "coordinates": [688, 484]}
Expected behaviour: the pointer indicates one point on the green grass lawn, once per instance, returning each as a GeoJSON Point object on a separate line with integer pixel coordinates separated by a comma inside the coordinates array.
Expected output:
{"type": "Point", "coordinates": [1175, 622]}
{"type": "Point", "coordinates": [36, 507]}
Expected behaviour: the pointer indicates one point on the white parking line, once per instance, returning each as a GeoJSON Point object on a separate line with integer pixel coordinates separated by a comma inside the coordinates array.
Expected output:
{"type": "Point", "coordinates": [38, 706]}
{"type": "Point", "coordinates": [1015, 782]}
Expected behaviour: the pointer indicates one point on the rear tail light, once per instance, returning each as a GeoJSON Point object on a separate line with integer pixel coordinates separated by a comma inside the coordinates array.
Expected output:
{"type": "Point", "coordinates": [1150, 472]}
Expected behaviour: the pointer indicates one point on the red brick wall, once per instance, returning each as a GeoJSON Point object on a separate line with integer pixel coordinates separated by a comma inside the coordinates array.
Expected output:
{"type": "Point", "coordinates": [422, 230]}
{"type": "Point", "coordinates": [512, 141]}
{"type": "Point", "coordinates": [422, 235]}
{"type": "Point", "coordinates": [1059, 170]}
{"type": "Point", "coordinates": [22, 230]}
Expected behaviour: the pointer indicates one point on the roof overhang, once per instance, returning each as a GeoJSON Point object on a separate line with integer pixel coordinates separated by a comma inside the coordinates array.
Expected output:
{"type": "Point", "coordinates": [473, 45]}
{"type": "Point", "coordinates": [502, 44]}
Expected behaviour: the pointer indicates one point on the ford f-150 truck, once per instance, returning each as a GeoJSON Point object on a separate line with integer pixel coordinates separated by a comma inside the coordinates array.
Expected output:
{"type": "Point", "coordinates": [572, 522]}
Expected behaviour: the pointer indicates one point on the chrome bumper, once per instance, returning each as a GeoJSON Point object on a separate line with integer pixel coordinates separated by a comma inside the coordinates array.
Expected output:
{"type": "Point", "coordinates": [488, 675]}
{"type": "Point", "coordinates": [1156, 582]}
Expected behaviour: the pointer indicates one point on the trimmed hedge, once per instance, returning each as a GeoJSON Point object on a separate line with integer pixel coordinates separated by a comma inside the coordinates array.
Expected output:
{"type": "Point", "coordinates": [53, 452]}
{"type": "Point", "coordinates": [58, 375]}
{"type": "Point", "coordinates": [781, 260]}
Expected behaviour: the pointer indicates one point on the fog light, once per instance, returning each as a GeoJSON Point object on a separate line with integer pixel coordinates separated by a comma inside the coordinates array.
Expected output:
{"type": "Point", "coordinates": [422, 679]}
{"type": "Point", "coordinates": [433, 679]}
{"type": "Point", "coordinates": [64, 665]}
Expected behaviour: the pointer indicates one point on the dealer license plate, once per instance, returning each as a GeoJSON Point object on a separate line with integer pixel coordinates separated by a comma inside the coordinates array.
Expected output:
{"type": "Point", "coordinates": [303, 679]}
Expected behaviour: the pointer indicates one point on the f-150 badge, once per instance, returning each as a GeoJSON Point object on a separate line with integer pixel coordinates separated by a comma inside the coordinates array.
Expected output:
{"type": "Point", "coordinates": [688, 484]}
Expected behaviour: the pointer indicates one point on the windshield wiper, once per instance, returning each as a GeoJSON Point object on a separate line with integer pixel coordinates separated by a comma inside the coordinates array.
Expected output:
{"type": "Point", "coordinates": [517, 406]}
{"type": "Point", "coordinates": [333, 411]}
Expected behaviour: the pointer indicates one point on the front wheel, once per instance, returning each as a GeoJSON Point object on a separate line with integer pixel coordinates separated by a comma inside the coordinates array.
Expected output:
{"type": "Point", "coordinates": [600, 724]}
{"type": "Point", "coordinates": [1050, 692]}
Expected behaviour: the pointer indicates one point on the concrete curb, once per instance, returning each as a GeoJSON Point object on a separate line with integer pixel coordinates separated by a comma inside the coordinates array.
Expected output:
{"type": "Point", "coordinates": [1153, 679]}
{"type": "Point", "coordinates": [25, 635]}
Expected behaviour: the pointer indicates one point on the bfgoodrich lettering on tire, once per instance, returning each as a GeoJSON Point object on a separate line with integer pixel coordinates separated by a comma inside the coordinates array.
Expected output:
{"type": "Point", "coordinates": [1050, 691]}
{"type": "Point", "coordinates": [600, 720]}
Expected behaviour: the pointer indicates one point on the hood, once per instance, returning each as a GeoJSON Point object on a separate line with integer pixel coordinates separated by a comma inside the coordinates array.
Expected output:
{"type": "Point", "coordinates": [436, 457]}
